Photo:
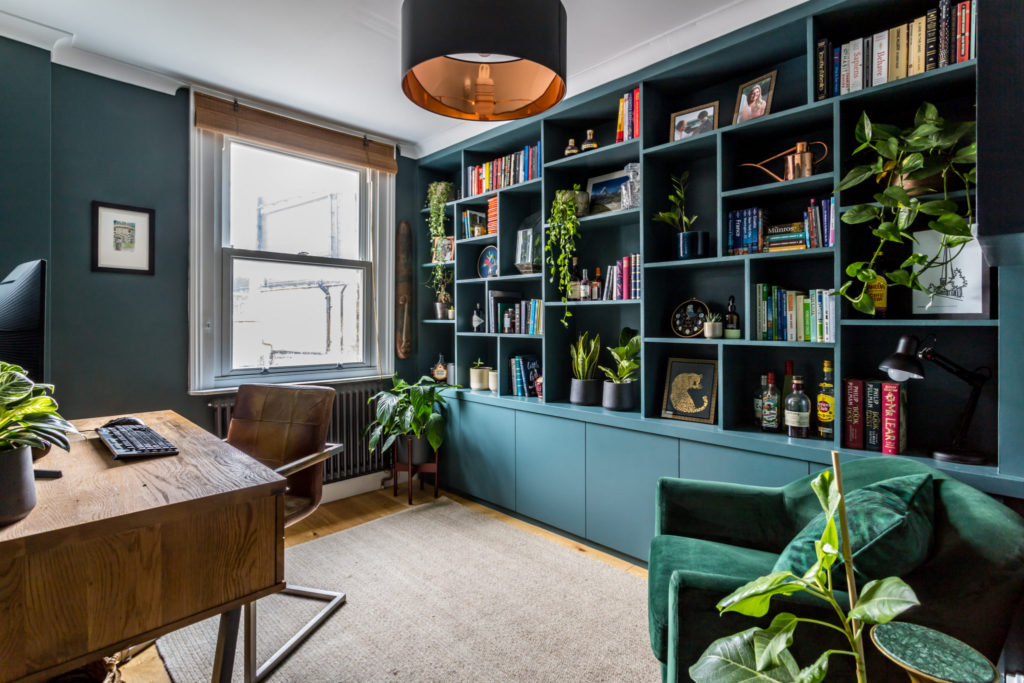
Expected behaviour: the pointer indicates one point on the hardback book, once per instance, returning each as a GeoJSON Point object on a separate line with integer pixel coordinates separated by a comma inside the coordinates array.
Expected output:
{"type": "Point", "coordinates": [873, 415]}
{"type": "Point", "coordinates": [897, 52]}
{"type": "Point", "coordinates": [790, 316]}
{"type": "Point", "coordinates": [931, 40]}
{"type": "Point", "coordinates": [531, 371]}
{"type": "Point", "coordinates": [635, 276]}
{"type": "Point", "coordinates": [894, 418]}
{"type": "Point", "coordinates": [880, 58]}
{"type": "Point", "coordinates": [856, 65]}
{"type": "Point", "coordinates": [516, 376]}
{"type": "Point", "coordinates": [618, 125]}
{"type": "Point", "coordinates": [627, 124]}
{"type": "Point", "coordinates": [627, 284]}
{"type": "Point", "coordinates": [853, 413]}
{"type": "Point", "coordinates": [837, 65]}
{"type": "Point", "coordinates": [844, 69]}
{"type": "Point", "coordinates": [636, 112]}
{"type": "Point", "coordinates": [945, 19]}
{"type": "Point", "coordinates": [822, 70]}
{"type": "Point", "coordinates": [916, 47]}
{"type": "Point", "coordinates": [963, 40]}
{"type": "Point", "coordinates": [973, 52]}
{"type": "Point", "coordinates": [494, 297]}
{"type": "Point", "coordinates": [865, 67]}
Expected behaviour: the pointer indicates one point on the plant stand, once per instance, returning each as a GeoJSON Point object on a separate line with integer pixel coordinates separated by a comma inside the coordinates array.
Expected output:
{"type": "Point", "coordinates": [411, 468]}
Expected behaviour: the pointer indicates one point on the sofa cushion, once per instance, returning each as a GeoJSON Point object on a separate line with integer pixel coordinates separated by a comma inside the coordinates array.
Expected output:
{"type": "Point", "coordinates": [669, 553]}
{"type": "Point", "coordinates": [890, 525]}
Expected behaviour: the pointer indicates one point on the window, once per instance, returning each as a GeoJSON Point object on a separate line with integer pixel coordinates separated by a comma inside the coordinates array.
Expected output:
{"type": "Point", "coordinates": [287, 282]}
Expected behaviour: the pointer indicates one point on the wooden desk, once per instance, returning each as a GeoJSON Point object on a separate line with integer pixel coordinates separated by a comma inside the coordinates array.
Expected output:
{"type": "Point", "coordinates": [120, 552]}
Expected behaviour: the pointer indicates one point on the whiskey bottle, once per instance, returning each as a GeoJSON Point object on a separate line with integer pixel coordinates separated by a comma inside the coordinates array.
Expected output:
{"type": "Point", "coordinates": [798, 410]}
{"type": "Point", "coordinates": [571, 148]}
{"type": "Point", "coordinates": [770, 406]}
{"type": "Point", "coordinates": [590, 143]}
{"type": "Point", "coordinates": [574, 281]}
{"type": "Point", "coordinates": [826, 403]}
{"type": "Point", "coordinates": [758, 399]}
{"type": "Point", "coordinates": [584, 286]}
{"type": "Point", "coordinates": [595, 285]}
{"type": "Point", "coordinates": [787, 384]}
{"type": "Point", "coordinates": [878, 290]}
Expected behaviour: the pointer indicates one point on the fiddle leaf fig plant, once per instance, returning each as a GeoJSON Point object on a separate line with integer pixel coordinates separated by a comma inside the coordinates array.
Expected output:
{"type": "Point", "coordinates": [562, 231]}
{"type": "Point", "coordinates": [625, 356]}
{"type": "Point", "coordinates": [408, 409]}
{"type": "Point", "coordinates": [940, 153]}
{"type": "Point", "coordinates": [438, 194]}
{"type": "Point", "coordinates": [28, 413]}
{"type": "Point", "coordinates": [584, 354]}
{"type": "Point", "coordinates": [676, 216]}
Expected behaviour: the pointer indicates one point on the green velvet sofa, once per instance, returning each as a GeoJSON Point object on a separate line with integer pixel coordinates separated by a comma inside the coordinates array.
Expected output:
{"type": "Point", "coordinates": [711, 538]}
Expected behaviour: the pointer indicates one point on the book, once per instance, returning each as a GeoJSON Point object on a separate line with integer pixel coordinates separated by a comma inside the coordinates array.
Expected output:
{"type": "Point", "coordinates": [963, 35]}
{"type": "Point", "coordinates": [822, 70]}
{"type": "Point", "coordinates": [635, 275]}
{"type": "Point", "coordinates": [530, 369]}
{"type": "Point", "coordinates": [866, 69]}
{"type": "Point", "coordinates": [844, 69]}
{"type": "Point", "coordinates": [873, 415]}
{"type": "Point", "coordinates": [627, 117]}
{"type": "Point", "coordinates": [880, 58]}
{"type": "Point", "coordinates": [894, 418]}
{"type": "Point", "coordinates": [856, 65]}
{"type": "Point", "coordinates": [837, 58]}
{"type": "Point", "coordinates": [626, 278]}
{"type": "Point", "coordinates": [931, 40]}
{"type": "Point", "coordinates": [619, 129]}
{"type": "Point", "coordinates": [916, 47]}
{"type": "Point", "coordinates": [945, 36]}
{"type": "Point", "coordinates": [897, 52]}
{"type": "Point", "coordinates": [853, 413]}
{"type": "Point", "coordinates": [494, 297]}
{"type": "Point", "coordinates": [973, 31]}
{"type": "Point", "coordinates": [636, 112]}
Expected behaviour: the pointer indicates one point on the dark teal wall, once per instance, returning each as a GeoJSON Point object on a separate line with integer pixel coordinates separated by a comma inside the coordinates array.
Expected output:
{"type": "Point", "coordinates": [407, 209]}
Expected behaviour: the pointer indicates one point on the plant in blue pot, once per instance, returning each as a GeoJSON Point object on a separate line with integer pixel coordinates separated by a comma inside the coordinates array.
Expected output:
{"type": "Point", "coordinates": [28, 420]}
{"type": "Point", "coordinates": [692, 243]}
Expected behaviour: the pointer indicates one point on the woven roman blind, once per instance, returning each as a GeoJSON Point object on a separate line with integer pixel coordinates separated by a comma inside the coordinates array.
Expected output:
{"type": "Point", "coordinates": [224, 117]}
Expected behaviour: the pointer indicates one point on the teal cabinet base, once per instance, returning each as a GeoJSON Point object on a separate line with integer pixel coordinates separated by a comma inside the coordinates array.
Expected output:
{"type": "Point", "coordinates": [550, 471]}
{"type": "Point", "coordinates": [479, 455]}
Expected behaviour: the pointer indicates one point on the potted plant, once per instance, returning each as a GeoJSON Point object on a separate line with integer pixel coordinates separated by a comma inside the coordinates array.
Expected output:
{"type": "Point", "coordinates": [28, 420]}
{"type": "Point", "coordinates": [713, 327]}
{"type": "Point", "coordinates": [562, 230]}
{"type": "Point", "coordinates": [619, 393]}
{"type": "Point", "coordinates": [438, 194]}
{"type": "Point", "coordinates": [930, 156]}
{"type": "Point", "coordinates": [478, 376]}
{"type": "Point", "coordinates": [584, 390]}
{"type": "Point", "coordinates": [412, 410]}
{"type": "Point", "coordinates": [492, 380]}
{"type": "Point", "coordinates": [692, 244]}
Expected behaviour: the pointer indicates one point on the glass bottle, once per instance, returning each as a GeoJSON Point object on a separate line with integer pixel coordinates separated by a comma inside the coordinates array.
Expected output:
{"type": "Point", "coordinates": [770, 406]}
{"type": "Point", "coordinates": [879, 293]}
{"type": "Point", "coordinates": [787, 388]}
{"type": "Point", "coordinates": [826, 403]}
{"type": "Point", "coordinates": [571, 148]}
{"type": "Point", "coordinates": [595, 285]}
{"type": "Point", "coordinates": [759, 398]}
{"type": "Point", "coordinates": [584, 286]}
{"type": "Point", "coordinates": [590, 143]}
{"type": "Point", "coordinates": [574, 280]}
{"type": "Point", "coordinates": [732, 320]}
{"type": "Point", "coordinates": [798, 410]}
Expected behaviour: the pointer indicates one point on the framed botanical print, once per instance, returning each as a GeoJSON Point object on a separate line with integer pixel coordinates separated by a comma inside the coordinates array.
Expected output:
{"type": "Point", "coordinates": [691, 390]}
{"type": "Point", "coordinates": [123, 238]}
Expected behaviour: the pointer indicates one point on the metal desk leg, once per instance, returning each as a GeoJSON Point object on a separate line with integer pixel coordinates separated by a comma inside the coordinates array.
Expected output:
{"type": "Point", "coordinates": [227, 638]}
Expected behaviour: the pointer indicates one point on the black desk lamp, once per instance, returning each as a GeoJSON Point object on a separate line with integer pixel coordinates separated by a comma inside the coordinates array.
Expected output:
{"type": "Point", "coordinates": [906, 364]}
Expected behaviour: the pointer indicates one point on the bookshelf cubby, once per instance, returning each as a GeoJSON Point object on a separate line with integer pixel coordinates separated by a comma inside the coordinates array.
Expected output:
{"type": "Point", "coordinates": [718, 185]}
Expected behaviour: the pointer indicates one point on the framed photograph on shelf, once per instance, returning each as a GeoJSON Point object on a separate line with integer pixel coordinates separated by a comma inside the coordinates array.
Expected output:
{"type": "Point", "coordinates": [754, 98]}
{"type": "Point", "coordinates": [691, 390]}
{"type": "Point", "coordinates": [606, 192]}
{"type": "Point", "coordinates": [694, 121]}
{"type": "Point", "coordinates": [960, 288]}
{"type": "Point", "coordinates": [443, 251]}
{"type": "Point", "coordinates": [123, 238]}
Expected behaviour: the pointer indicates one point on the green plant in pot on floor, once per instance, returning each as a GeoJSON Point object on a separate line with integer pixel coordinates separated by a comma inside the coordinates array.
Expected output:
{"type": "Point", "coordinates": [584, 389]}
{"type": "Point", "coordinates": [438, 194]}
{"type": "Point", "coordinates": [933, 155]}
{"type": "Point", "coordinates": [619, 389]}
{"type": "Point", "coordinates": [692, 244]}
{"type": "Point", "coordinates": [408, 410]}
{"type": "Point", "coordinates": [28, 420]}
{"type": "Point", "coordinates": [562, 230]}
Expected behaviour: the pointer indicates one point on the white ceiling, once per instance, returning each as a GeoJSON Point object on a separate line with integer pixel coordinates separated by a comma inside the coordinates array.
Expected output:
{"type": "Point", "coordinates": [339, 59]}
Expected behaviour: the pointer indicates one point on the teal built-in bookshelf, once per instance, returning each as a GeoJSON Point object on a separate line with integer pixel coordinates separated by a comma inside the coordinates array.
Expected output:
{"type": "Point", "coordinates": [594, 473]}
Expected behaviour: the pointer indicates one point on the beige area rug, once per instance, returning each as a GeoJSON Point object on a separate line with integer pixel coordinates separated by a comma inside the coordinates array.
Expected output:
{"type": "Point", "coordinates": [442, 593]}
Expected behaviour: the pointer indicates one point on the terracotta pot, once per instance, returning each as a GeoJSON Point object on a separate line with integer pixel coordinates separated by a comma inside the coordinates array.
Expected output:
{"type": "Point", "coordinates": [17, 485]}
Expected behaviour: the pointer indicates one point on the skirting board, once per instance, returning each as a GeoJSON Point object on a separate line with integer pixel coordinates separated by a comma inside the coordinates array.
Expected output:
{"type": "Point", "coordinates": [353, 487]}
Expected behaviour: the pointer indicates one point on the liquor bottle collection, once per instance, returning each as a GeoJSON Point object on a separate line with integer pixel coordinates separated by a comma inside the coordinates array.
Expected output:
{"type": "Point", "coordinates": [583, 287]}
{"type": "Point", "coordinates": [789, 409]}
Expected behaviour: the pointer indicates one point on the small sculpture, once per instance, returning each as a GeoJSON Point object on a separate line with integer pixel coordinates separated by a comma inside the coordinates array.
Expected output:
{"type": "Point", "coordinates": [477, 319]}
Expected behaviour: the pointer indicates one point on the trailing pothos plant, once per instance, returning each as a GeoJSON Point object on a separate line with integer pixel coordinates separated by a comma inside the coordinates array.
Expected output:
{"type": "Point", "coordinates": [28, 413]}
{"type": "Point", "coordinates": [762, 654]}
{"type": "Point", "coordinates": [562, 231]}
{"type": "Point", "coordinates": [439, 193]}
{"type": "Point", "coordinates": [676, 216]}
{"type": "Point", "coordinates": [408, 409]}
{"type": "Point", "coordinates": [943, 156]}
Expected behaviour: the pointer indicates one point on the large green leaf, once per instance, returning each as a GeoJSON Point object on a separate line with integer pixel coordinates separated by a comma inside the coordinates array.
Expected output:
{"type": "Point", "coordinates": [861, 213]}
{"type": "Point", "coordinates": [815, 673]}
{"type": "Point", "coordinates": [882, 601]}
{"type": "Point", "coordinates": [732, 660]}
{"type": "Point", "coordinates": [825, 488]}
{"type": "Point", "coordinates": [937, 207]}
{"type": "Point", "coordinates": [14, 386]}
{"type": "Point", "coordinates": [926, 113]}
{"type": "Point", "coordinates": [770, 643]}
{"type": "Point", "coordinates": [855, 177]}
{"type": "Point", "coordinates": [862, 132]}
{"type": "Point", "coordinates": [754, 598]}
{"type": "Point", "coordinates": [950, 224]}
{"type": "Point", "coordinates": [435, 430]}
{"type": "Point", "coordinates": [897, 193]}
{"type": "Point", "coordinates": [864, 303]}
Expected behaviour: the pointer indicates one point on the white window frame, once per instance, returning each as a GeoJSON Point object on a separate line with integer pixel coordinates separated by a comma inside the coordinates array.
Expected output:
{"type": "Point", "coordinates": [210, 276]}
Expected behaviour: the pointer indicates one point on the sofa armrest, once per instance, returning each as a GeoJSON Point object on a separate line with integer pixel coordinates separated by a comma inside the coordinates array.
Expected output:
{"type": "Point", "coordinates": [748, 516]}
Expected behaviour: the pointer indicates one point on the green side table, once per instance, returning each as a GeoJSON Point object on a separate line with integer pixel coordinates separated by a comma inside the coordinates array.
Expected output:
{"type": "Point", "coordinates": [928, 655]}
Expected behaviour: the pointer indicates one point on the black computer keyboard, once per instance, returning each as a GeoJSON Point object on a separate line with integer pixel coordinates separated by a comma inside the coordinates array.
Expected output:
{"type": "Point", "coordinates": [135, 441]}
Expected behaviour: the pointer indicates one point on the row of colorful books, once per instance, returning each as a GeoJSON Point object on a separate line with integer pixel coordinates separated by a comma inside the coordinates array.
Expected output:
{"type": "Point", "coordinates": [510, 169]}
{"type": "Point", "coordinates": [623, 279]}
{"type": "Point", "coordinates": [523, 373]}
{"type": "Point", "coordinates": [749, 232]}
{"type": "Point", "coordinates": [944, 35]}
{"type": "Point", "coordinates": [875, 416]}
{"type": "Point", "coordinates": [628, 125]}
{"type": "Point", "coordinates": [475, 223]}
{"type": "Point", "coordinates": [526, 316]}
{"type": "Point", "coordinates": [787, 315]}
{"type": "Point", "coordinates": [492, 216]}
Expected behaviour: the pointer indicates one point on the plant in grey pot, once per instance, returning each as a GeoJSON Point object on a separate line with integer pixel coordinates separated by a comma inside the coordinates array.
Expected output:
{"type": "Point", "coordinates": [442, 297]}
{"type": "Point", "coordinates": [713, 327]}
{"type": "Point", "coordinates": [584, 390]}
{"type": "Point", "coordinates": [28, 419]}
{"type": "Point", "coordinates": [413, 411]}
{"type": "Point", "coordinates": [692, 244]}
{"type": "Point", "coordinates": [619, 392]}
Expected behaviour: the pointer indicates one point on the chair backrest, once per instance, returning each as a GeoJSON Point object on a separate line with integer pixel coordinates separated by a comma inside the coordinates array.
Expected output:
{"type": "Point", "coordinates": [280, 423]}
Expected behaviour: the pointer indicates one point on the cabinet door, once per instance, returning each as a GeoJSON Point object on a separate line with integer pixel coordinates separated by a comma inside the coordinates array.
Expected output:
{"type": "Point", "coordinates": [550, 471]}
{"type": "Point", "coordinates": [718, 463]}
{"type": "Point", "coordinates": [479, 457]}
{"type": "Point", "coordinates": [623, 467]}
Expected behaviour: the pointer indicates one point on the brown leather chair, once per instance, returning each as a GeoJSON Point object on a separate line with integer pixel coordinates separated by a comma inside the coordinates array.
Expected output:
{"type": "Point", "coordinates": [284, 426]}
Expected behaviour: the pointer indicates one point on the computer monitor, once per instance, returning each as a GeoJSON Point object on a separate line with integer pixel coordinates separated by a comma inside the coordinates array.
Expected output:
{"type": "Point", "coordinates": [23, 317]}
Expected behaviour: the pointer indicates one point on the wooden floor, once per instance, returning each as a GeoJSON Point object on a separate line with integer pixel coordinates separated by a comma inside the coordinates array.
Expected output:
{"type": "Point", "coordinates": [146, 667]}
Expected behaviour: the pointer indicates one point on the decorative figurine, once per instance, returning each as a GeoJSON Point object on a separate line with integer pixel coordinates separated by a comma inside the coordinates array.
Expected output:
{"type": "Point", "coordinates": [571, 148]}
{"type": "Point", "coordinates": [478, 318]}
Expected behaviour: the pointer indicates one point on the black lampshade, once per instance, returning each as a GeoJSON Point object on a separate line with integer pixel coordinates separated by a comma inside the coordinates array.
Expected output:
{"type": "Point", "coordinates": [484, 61]}
{"type": "Point", "coordinates": [903, 364]}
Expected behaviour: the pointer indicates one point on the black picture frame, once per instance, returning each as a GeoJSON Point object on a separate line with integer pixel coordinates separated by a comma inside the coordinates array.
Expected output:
{"type": "Point", "coordinates": [146, 259]}
{"type": "Point", "coordinates": [691, 379]}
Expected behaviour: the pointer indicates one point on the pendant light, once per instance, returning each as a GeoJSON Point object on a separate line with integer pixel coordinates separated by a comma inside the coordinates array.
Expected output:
{"type": "Point", "coordinates": [484, 61]}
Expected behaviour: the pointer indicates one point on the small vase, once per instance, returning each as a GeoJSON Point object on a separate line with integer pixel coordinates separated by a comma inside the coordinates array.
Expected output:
{"type": "Point", "coordinates": [585, 392]}
{"type": "Point", "coordinates": [712, 330]}
{"type": "Point", "coordinates": [451, 313]}
{"type": "Point", "coordinates": [694, 244]}
{"type": "Point", "coordinates": [618, 396]}
{"type": "Point", "coordinates": [478, 378]}
{"type": "Point", "coordinates": [492, 380]}
{"type": "Point", "coordinates": [440, 310]}
{"type": "Point", "coordinates": [17, 485]}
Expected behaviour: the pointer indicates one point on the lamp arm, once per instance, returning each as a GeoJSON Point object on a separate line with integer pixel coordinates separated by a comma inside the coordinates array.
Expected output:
{"type": "Point", "coordinates": [973, 377]}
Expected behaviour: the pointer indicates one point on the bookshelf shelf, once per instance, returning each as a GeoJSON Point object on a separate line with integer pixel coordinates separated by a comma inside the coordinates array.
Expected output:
{"type": "Point", "coordinates": [517, 276]}
{"type": "Point", "coordinates": [920, 322]}
{"type": "Point", "coordinates": [500, 335]}
{"type": "Point", "coordinates": [446, 264]}
{"type": "Point", "coordinates": [587, 304]}
{"type": "Point", "coordinates": [918, 84]}
{"type": "Point", "coordinates": [608, 156]}
{"type": "Point", "coordinates": [439, 322]}
{"type": "Point", "coordinates": [611, 219]}
{"type": "Point", "coordinates": [481, 239]}
{"type": "Point", "coordinates": [819, 182]}
{"type": "Point", "coordinates": [738, 342]}
{"type": "Point", "coordinates": [698, 145]}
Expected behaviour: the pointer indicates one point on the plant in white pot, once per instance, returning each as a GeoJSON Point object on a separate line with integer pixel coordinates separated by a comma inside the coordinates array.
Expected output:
{"type": "Point", "coordinates": [413, 411]}
{"type": "Point", "coordinates": [584, 390]}
{"type": "Point", "coordinates": [619, 392]}
{"type": "Point", "coordinates": [28, 419]}
{"type": "Point", "coordinates": [713, 327]}
{"type": "Point", "coordinates": [478, 379]}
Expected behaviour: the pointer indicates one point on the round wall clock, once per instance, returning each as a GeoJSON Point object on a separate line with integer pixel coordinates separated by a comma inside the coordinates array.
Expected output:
{"type": "Point", "coordinates": [487, 264]}
{"type": "Point", "coordinates": [689, 317]}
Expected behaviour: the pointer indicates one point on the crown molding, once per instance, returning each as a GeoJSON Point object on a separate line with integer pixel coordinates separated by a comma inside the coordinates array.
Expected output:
{"type": "Point", "coordinates": [66, 54]}
{"type": "Point", "coordinates": [29, 32]}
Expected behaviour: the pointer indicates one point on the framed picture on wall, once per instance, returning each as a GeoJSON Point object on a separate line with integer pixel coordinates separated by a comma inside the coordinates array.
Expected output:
{"type": "Point", "coordinates": [960, 287]}
{"type": "Point", "coordinates": [691, 390]}
{"type": "Point", "coordinates": [123, 238]}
